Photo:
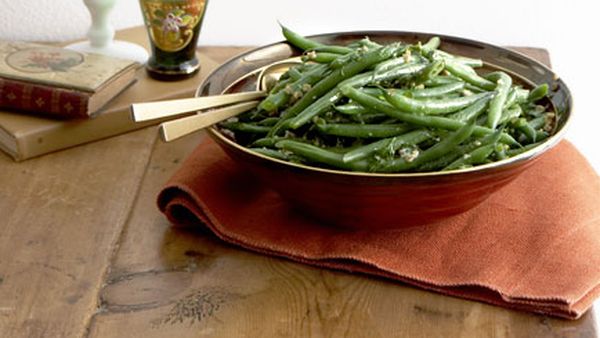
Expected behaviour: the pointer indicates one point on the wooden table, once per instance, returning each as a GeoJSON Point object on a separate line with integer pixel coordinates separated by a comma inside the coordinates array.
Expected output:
{"type": "Point", "coordinates": [85, 252]}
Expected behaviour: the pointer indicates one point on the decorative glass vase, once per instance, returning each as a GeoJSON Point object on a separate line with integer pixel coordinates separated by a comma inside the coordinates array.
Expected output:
{"type": "Point", "coordinates": [173, 28]}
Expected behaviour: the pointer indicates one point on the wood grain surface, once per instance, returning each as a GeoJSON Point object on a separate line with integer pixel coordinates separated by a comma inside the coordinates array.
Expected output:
{"type": "Point", "coordinates": [61, 216]}
{"type": "Point", "coordinates": [85, 252]}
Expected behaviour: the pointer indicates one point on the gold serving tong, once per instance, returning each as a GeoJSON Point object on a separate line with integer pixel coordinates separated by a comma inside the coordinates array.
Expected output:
{"type": "Point", "coordinates": [232, 104]}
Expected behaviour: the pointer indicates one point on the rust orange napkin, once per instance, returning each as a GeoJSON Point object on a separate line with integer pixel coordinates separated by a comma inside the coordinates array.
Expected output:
{"type": "Point", "coordinates": [533, 246]}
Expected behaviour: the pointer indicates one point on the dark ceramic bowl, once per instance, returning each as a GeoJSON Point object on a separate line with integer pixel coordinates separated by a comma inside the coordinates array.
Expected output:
{"type": "Point", "coordinates": [372, 200]}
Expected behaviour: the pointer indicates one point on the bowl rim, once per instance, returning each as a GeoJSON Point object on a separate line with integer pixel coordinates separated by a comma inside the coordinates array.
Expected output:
{"type": "Point", "coordinates": [525, 156]}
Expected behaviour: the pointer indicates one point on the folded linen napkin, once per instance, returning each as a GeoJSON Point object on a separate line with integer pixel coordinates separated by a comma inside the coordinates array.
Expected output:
{"type": "Point", "coordinates": [534, 245]}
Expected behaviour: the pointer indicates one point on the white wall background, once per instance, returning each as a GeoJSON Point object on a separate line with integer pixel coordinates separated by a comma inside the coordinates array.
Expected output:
{"type": "Point", "coordinates": [565, 28]}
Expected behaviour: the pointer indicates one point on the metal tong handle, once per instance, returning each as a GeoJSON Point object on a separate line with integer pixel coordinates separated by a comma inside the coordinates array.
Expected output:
{"type": "Point", "coordinates": [174, 129]}
{"type": "Point", "coordinates": [162, 109]}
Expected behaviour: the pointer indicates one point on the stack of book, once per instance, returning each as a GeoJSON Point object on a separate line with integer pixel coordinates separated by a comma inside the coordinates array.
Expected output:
{"type": "Point", "coordinates": [53, 98]}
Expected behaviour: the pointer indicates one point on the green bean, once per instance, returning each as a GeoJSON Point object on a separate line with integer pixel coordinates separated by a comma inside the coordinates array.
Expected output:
{"type": "Point", "coordinates": [366, 42]}
{"type": "Point", "coordinates": [516, 95]}
{"type": "Point", "coordinates": [334, 95]}
{"type": "Point", "coordinates": [271, 153]}
{"type": "Point", "coordinates": [397, 61]}
{"type": "Point", "coordinates": [266, 142]}
{"type": "Point", "coordinates": [372, 118]}
{"type": "Point", "coordinates": [322, 104]}
{"type": "Point", "coordinates": [474, 89]}
{"type": "Point", "coordinates": [373, 91]}
{"type": "Point", "coordinates": [393, 143]}
{"type": "Point", "coordinates": [363, 43]}
{"type": "Point", "coordinates": [331, 80]}
{"type": "Point", "coordinates": [452, 156]}
{"type": "Point", "coordinates": [534, 110]}
{"type": "Point", "coordinates": [521, 95]}
{"type": "Point", "coordinates": [430, 106]}
{"type": "Point", "coordinates": [351, 109]}
{"type": "Point", "coordinates": [273, 101]}
{"type": "Point", "coordinates": [510, 114]}
{"type": "Point", "coordinates": [298, 40]}
{"type": "Point", "coordinates": [471, 112]}
{"type": "Point", "coordinates": [320, 57]}
{"type": "Point", "coordinates": [504, 82]}
{"type": "Point", "coordinates": [500, 151]}
{"type": "Point", "coordinates": [276, 100]}
{"type": "Point", "coordinates": [254, 115]}
{"type": "Point", "coordinates": [470, 62]}
{"type": "Point", "coordinates": [538, 122]}
{"type": "Point", "coordinates": [268, 121]}
{"type": "Point", "coordinates": [246, 127]}
{"type": "Point", "coordinates": [511, 98]}
{"type": "Point", "coordinates": [517, 151]}
{"type": "Point", "coordinates": [528, 128]}
{"type": "Point", "coordinates": [538, 93]}
{"type": "Point", "coordinates": [432, 70]}
{"type": "Point", "coordinates": [331, 97]}
{"type": "Point", "coordinates": [388, 108]}
{"type": "Point", "coordinates": [320, 155]}
{"type": "Point", "coordinates": [439, 149]}
{"type": "Point", "coordinates": [475, 63]}
{"type": "Point", "coordinates": [522, 125]}
{"type": "Point", "coordinates": [431, 45]}
{"type": "Point", "coordinates": [332, 49]}
{"type": "Point", "coordinates": [373, 77]}
{"type": "Point", "coordinates": [343, 60]}
{"type": "Point", "coordinates": [355, 54]}
{"type": "Point", "coordinates": [467, 74]}
{"type": "Point", "coordinates": [476, 156]}
{"type": "Point", "coordinates": [281, 84]}
{"type": "Point", "coordinates": [294, 74]}
{"type": "Point", "coordinates": [389, 64]}
{"type": "Point", "coordinates": [437, 91]}
{"type": "Point", "coordinates": [362, 130]}
{"type": "Point", "coordinates": [416, 119]}
{"type": "Point", "coordinates": [404, 70]}
{"type": "Point", "coordinates": [441, 81]}
{"type": "Point", "coordinates": [540, 135]}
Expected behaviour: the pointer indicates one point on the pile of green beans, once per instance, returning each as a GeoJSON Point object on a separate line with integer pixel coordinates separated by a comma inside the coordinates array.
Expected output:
{"type": "Point", "coordinates": [393, 108]}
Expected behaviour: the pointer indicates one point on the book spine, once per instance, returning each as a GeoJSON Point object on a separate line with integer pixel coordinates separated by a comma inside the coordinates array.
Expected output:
{"type": "Point", "coordinates": [43, 99]}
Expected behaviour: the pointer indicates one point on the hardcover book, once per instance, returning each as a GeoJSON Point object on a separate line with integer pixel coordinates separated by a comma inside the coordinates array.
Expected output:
{"type": "Point", "coordinates": [23, 136]}
{"type": "Point", "coordinates": [59, 82]}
